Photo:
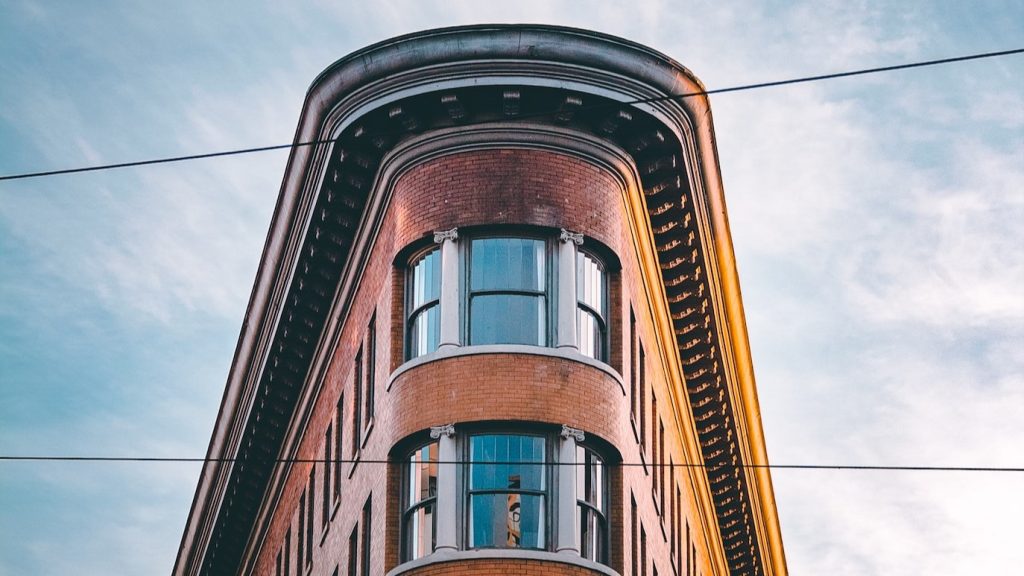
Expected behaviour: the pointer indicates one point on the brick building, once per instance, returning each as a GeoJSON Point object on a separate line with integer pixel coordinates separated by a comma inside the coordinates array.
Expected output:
{"type": "Point", "coordinates": [496, 329]}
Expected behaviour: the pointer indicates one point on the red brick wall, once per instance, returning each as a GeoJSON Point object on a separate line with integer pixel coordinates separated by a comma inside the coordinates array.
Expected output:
{"type": "Point", "coordinates": [522, 387]}
{"type": "Point", "coordinates": [513, 186]}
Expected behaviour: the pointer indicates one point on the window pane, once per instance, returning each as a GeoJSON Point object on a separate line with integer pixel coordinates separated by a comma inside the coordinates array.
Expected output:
{"type": "Point", "coordinates": [590, 282]}
{"type": "Point", "coordinates": [590, 538]}
{"type": "Point", "coordinates": [425, 331]}
{"type": "Point", "coordinates": [507, 264]}
{"type": "Point", "coordinates": [506, 520]}
{"type": "Point", "coordinates": [426, 280]}
{"type": "Point", "coordinates": [420, 527]}
{"type": "Point", "coordinates": [590, 290]}
{"type": "Point", "coordinates": [508, 319]}
{"type": "Point", "coordinates": [590, 488]}
{"type": "Point", "coordinates": [422, 479]}
{"type": "Point", "coordinates": [591, 339]}
{"type": "Point", "coordinates": [519, 462]}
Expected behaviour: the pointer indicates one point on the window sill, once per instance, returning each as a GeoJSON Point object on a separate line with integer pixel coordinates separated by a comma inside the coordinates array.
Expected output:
{"type": "Point", "coordinates": [456, 351]}
{"type": "Point", "coordinates": [366, 434]}
{"type": "Point", "coordinates": [355, 462]}
{"type": "Point", "coordinates": [337, 504]}
{"type": "Point", "coordinates": [443, 556]}
{"type": "Point", "coordinates": [323, 533]}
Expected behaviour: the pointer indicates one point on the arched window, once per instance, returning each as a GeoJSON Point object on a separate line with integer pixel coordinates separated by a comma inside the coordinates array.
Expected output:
{"type": "Point", "coordinates": [423, 323]}
{"type": "Point", "coordinates": [419, 498]}
{"type": "Point", "coordinates": [592, 303]}
{"type": "Point", "coordinates": [505, 493]}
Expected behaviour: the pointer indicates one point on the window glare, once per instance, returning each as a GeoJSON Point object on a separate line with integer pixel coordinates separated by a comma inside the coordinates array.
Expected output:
{"type": "Point", "coordinates": [426, 281]}
{"type": "Point", "coordinates": [590, 292]}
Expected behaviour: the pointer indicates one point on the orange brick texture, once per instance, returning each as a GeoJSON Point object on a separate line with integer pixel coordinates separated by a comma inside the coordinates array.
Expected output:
{"type": "Point", "coordinates": [527, 187]}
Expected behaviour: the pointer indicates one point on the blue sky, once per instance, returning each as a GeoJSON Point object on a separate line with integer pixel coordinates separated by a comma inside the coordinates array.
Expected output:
{"type": "Point", "coordinates": [877, 221]}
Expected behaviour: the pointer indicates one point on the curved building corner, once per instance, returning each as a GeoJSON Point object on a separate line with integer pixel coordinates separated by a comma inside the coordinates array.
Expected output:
{"type": "Point", "coordinates": [496, 328]}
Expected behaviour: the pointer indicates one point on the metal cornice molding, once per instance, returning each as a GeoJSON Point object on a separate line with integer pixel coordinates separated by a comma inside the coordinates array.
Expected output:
{"type": "Point", "coordinates": [327, 189]}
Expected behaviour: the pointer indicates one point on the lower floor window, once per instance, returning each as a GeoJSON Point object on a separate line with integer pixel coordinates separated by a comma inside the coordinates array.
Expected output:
{"type": "Point", "coordinates": [591, 499]}
{"type": "Point", "coordinates": [506, 497]}
{"type": "Point", "coordinates": [419, 519]}
{"type": "Point", "coordinates": [507, 491]}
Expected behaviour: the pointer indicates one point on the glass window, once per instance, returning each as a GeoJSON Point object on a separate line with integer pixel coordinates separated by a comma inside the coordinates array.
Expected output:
{"type": "Point", "coordinates": [423, 322]}
{"type": "Point", "coordinates": [591, 505]}
{"type": "Point", "coordinates": [508, 291]}
{"type": "Point", "coordinates": [507, 491]}
{"type": "Point", "coordinates": [591, 296]}
{"type": "Point", "coordinates": [419, 520]}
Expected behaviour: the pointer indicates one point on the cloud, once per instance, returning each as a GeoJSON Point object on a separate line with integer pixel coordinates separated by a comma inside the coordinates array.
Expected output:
{"type": "Point", "coordinates": [946, 253]}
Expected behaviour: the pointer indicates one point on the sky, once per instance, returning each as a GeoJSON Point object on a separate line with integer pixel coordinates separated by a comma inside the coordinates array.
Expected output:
{"type": "Point", "coordinates": [878, 224]}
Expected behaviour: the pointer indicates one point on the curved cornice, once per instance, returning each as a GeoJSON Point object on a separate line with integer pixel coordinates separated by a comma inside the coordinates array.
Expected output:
{"type": "Point", "coordinates": [368, 103]}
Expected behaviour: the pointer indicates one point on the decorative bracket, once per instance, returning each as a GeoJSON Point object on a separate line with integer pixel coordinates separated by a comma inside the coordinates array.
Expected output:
{"type": "Point", "coordinates": [573, 237]}
{"type": "Point", "coordinates": [570, 432]}
{"type": "Point", "coordinates": [442, 235]}
{"type": "Point", "coordinates": [446, 430]}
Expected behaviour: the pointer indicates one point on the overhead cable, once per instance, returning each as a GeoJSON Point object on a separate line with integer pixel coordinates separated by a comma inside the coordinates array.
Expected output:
{"type": "Point", "coordinates": [740, 88]}
{"type": "Point", "coordinates": [720, 466]}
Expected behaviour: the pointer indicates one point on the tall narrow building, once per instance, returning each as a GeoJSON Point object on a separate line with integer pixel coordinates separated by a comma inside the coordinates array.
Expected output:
{"type": "Point", "coordinates": [496, 329]}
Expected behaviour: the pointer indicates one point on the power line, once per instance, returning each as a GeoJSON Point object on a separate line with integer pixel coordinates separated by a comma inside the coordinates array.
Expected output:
{"type": "Point", "coordinates": [739, 88]}
{"type": "Point", "coordinates": [726, 466]}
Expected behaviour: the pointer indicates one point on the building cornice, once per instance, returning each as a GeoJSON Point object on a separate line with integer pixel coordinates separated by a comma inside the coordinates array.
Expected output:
{"type": "Point", "coordinates": [369, 102]}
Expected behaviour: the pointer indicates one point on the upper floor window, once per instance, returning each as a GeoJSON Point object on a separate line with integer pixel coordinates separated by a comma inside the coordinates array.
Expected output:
{"type": "Point", "coordinates": [508, 291]}
{"type": "Point", "coordinates": [591, 297]}
{"type": "Point", "coordinates": [424, 293]}
{"type": "Point", "coordinates": [591, 505]}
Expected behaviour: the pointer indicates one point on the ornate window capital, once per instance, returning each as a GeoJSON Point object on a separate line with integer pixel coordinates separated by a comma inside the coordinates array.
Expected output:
{"type": "Point", "coordinates": [569, 431]}
{"type": "Point", "coordinates": [446, 430]}
{"type": "Point", "coordinates": [567, 236]}
{"type": "Point", "coordinates": [442, 235]}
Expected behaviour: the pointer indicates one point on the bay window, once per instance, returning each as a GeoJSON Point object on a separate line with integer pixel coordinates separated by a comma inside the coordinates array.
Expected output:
{"type": "Point", "coordinates": [510, 490]}
{"type": "Point", "coordinates": [507, 290]}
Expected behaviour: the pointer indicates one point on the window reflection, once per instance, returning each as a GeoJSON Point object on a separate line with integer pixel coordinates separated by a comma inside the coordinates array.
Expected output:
{"type": "Point", "coordinates": [419, 518]}
{"type": "Point", "coordinates": [508, 291]}
{"type": "Point", "coordinates": [591, 294]}
{"type": "Point", "coordinates": [507, 492]}
{"type": "Point", "coordinates": [590, 505]}
{"type": "Point", "coordinates": [424, 293]}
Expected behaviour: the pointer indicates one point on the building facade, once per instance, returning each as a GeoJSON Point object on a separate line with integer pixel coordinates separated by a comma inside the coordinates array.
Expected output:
{"type": "Point", "coordinates": [496, 329]}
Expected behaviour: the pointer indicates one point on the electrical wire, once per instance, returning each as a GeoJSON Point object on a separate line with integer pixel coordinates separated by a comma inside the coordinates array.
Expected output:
{"type": "Point", "coordinates": [739, 88]}
{"type": "Point", "coordinates": [725, 466]}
